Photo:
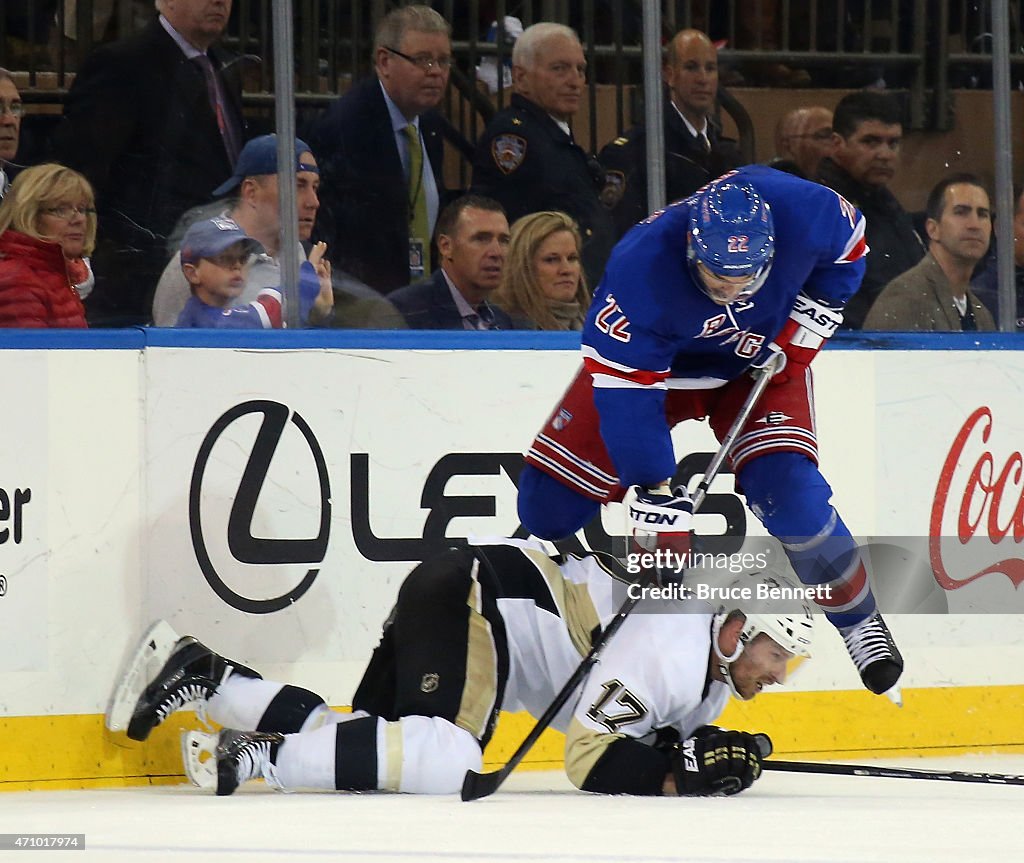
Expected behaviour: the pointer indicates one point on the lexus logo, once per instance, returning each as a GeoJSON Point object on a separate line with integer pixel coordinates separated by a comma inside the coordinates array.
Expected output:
{"type": "Point", "coordinates": [243, 546]}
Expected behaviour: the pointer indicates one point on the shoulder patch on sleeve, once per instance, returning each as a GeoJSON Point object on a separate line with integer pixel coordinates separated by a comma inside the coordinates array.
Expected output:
{"type": "Point", "coordinates": [508, 152]}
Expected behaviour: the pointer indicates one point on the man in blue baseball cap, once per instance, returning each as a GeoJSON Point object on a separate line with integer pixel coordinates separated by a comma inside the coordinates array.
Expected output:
{"type": "Point", "coordinates": [253, 205]}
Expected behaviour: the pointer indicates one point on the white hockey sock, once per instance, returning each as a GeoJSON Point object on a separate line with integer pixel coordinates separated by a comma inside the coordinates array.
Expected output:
{"type": "Point", "coordinates": [307, 760]}
{"type": "Point", "coordinates": [425, 755]}
{"type": "Point", "coordinates": [416, 755]}
{"type": "Point", "coordinates": [240, 702]}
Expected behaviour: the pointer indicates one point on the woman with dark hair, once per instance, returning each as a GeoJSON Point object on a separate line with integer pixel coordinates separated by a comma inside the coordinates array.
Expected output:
{"type": "Point", "coordinates": [47, 227]}
{"type": "Point", "coordinates": [543, 286]}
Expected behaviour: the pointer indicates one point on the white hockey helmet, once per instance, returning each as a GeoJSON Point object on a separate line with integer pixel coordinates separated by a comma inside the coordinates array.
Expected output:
{"type": "Point", "coordinates": [771, 604]}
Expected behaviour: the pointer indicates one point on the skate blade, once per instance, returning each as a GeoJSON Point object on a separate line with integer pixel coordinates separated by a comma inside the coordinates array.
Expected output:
{"type": "Point", "coordinates": [146, 661]}
{"type": "Point", "coordinates": [895, 695]}
{"type": "Point", "coordinates": [199, 755]}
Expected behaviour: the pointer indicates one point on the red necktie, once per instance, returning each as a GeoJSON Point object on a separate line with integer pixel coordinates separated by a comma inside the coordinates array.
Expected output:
{"type": "Point", "coordinates": [227, 132]}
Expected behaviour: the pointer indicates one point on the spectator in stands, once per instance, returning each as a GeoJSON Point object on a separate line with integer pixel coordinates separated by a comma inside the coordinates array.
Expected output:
{"type": "Point", "coordinates": [10, 128]}
{"type": "Point", "coordinates": [935, 294]}
{"type": "Point", "coordinates": [381, 149]}
{"type": "Point", "coordinates": [544, 287]}
{"type": "Point", "coordinates": [866, 139]}
{"type": "Point", "coordinates": [47, 227]}
{"type": "Point", "coordinates": [695, 151]}
{"type": "Point", "coordinates": [472, 243]}
{"type": "Point", "coordinates": [986, 284]}
{"type": "Point", "coordinates": [803, 137]}
{"type": "Point", "coordinates": [253, 205]}
{"type": "Point", "coordinates": [527, 159]}
{"type": "Point", "coordinates": [215, 258]}
{"type": "Point", "coordinates": [154, 121]}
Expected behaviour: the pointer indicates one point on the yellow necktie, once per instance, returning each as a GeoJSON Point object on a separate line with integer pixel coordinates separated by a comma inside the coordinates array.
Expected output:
{"type": "Point", "coordinates": [419, 226]}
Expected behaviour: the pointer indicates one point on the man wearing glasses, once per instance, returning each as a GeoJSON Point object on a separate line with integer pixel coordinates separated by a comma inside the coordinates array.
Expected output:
{"type": "Point", "coordinates": [803, 137]}
{"type": "Point", "coordinates": [10, 128]}
{"type": "Point", "coordinates": [381, 152]}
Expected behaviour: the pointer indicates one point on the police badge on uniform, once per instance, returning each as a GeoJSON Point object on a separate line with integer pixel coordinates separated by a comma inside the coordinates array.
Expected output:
{"type": "Point", "coordinates": [508, 152]}
{"type": "Point", "coordinates": [614, 188]}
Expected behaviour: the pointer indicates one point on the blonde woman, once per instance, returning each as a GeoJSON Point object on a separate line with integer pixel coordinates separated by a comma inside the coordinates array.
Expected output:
{"type": "Point", "coordinates": [47, 227]}
{"type": "Point", "coordinates": [543, 286]}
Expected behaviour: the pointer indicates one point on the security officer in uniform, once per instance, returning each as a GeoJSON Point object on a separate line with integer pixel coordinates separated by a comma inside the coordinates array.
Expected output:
{"type": "Point", "coordinates": [695, 151]}
{"type": "Point", "coordinates": [527, 159]}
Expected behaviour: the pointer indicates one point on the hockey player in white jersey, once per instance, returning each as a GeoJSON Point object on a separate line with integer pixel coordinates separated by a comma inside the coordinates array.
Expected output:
{"type": "Point", "coordinates": [500, 625]}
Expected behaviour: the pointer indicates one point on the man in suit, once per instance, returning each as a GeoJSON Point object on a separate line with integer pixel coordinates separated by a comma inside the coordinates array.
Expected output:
{"type": "Point", "coordinates": [935, 294]}
{"type": "Point", "coordinates": [472, 241]}
{"type": "Point", "coordinates": [373, 173]}
{"type": "Point", "coordinates": [10, 127]}
{"type": "Point", "coordinates": [527, 158]}
{"type": "Point", "coordinates": [154, 121]}
{"type": "Point", "coordinates": [695, 150]}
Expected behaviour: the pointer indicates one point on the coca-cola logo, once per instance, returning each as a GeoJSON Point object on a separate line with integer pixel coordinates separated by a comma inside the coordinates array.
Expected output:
{"type": "Point", "coordinates": [990, 498]}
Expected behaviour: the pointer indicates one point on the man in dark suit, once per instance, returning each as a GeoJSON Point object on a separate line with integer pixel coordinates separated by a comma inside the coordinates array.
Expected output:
{"type": "Point", "coordinates": [695, 150]}
{"type": "Point", "coordinates": [154, 121]}
{"type": "Point", "coordinates": [371, 175]}
{"type": "Point", "coordinates": [527, 158]}
{"type": "Point", "coordinates": [472, 241]}
{"type": "Point", "coordinates": [10, 127]}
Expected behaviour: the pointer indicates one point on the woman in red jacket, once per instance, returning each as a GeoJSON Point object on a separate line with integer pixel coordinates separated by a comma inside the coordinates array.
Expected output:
{"type": "Point", "coordinates": [47, 227]}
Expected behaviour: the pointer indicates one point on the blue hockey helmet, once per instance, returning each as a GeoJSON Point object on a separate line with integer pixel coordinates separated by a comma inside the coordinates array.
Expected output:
{"type": "Point", "coordinates": [731, 242]}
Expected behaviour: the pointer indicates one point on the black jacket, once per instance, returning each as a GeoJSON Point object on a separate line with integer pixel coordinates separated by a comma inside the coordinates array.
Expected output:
{"type": "Point", "coordinates": [894, 245]}
{"type": "Point", "coordinates": [687, 167]}
{"type": "Point", "coordinates": [139, 125]}
{"type": "Point", "coordinates": [429, 305]}
{"type": "Point", "coordinates": [364, 196]}
{"type": "Point", "coordinates": [526, 162]}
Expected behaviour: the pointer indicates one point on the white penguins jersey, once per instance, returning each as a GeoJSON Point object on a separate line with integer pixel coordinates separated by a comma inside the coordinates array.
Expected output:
{"type": "Point", "coordinates": [653, 674]}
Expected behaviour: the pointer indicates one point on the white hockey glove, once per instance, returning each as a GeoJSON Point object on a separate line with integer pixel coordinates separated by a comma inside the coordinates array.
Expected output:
{"type": "Point", "coordinates": [661, 521]}
{"type": "Point", "coordinates": [717, 762]}
{"type": "Point", "coordinates": [811, 323]}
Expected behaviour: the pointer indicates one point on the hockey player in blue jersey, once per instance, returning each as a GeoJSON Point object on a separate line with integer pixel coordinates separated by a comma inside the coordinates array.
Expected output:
{"type": "Point", "coordinates": [756, 264]}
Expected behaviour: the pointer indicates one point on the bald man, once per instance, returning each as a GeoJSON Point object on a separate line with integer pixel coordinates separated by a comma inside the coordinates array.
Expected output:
{"type": "Point", "coordinates": [803, 137]}
{"type": "Point", "coordinates": [695, 151]}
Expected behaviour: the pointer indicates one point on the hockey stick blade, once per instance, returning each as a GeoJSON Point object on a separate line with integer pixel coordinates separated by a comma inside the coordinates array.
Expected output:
{"type": "Point", "coordinates": [892, 772]}
{"type": "Point", "coordinates": [478, 785]}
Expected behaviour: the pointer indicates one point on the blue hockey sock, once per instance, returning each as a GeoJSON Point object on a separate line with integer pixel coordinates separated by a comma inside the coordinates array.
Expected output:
{"type": "Point", "coordinates": [550, 510]}
{"type": "Point", "coordinates": [787, 492]}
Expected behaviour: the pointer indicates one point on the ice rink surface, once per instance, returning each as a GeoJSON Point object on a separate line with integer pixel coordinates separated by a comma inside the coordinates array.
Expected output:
{"type": "Point", "coordinates": [784, 818]}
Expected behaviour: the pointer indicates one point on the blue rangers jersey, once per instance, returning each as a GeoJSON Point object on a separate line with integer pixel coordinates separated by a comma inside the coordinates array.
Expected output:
{"type": "Point", "coordinates": [650, 328]}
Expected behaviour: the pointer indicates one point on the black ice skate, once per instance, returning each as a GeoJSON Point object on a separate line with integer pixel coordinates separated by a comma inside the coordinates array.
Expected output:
{"type": "Point", "coordinates": [224, 761]}
{"type": "Point", "coordinates": [165, 674]}
{"type": "Point", "coordinates": [875, 655]}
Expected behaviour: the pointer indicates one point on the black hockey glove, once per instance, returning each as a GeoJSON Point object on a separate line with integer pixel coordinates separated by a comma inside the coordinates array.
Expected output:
{"type": "Point", "coordinates": [715, 761]}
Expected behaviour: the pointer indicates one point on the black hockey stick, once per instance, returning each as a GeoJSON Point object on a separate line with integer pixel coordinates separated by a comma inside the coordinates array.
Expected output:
{"type": "Point", "coordinates": [477, 785]}
{"type": "Point", "coordinates": [891, 772]}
